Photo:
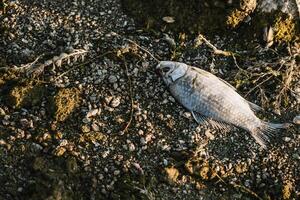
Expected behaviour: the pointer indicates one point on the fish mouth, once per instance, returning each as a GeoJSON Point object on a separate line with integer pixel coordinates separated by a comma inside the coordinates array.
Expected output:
{"type": "Point", "coordinates": [158, 70]}
{"type": "Point", "coordinates": [163, 69]}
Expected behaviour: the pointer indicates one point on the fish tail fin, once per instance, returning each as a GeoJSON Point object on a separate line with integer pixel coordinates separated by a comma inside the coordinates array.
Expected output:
{"type": "Point", "coordinates": [263, 133]}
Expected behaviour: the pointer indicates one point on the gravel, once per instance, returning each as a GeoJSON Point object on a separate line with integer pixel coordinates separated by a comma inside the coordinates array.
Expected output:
{"type": "Point", "coordinates": [91, 154]}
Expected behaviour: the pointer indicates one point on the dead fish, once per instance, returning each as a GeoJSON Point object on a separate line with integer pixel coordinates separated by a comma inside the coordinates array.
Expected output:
{"type": "Point", "coordinates": [213, 101]}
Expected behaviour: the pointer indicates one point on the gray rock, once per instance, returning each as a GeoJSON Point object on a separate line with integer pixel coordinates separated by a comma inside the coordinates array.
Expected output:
{"type": "Point", "coordinates": [2, 112]}
{"type": "Point", "coordinates": [296, 120]}
{"type": "Point", "coordinates": [112, 79]}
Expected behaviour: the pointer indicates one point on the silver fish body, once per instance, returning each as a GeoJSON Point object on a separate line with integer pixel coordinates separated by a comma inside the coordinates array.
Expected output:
{"type": "Point", "coordinates": [214, 101]}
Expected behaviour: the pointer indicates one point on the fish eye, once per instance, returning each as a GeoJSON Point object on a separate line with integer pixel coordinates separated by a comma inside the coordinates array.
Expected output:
{"type": "Point", "coordinates": [166, 69]}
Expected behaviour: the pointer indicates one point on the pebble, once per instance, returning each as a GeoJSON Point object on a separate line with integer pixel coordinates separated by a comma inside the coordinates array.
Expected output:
{"type": "Point", "coordinates": [143, 141]}
{"type": "Point", "coordinates": [287, 139]}
{"type": "Point", "coordinates": [209, 135]}
{"type": "Point", "coordinates": [116, 172]}
{"type": "Point", "coordinates": [2, 112]}
{"type": "Point", "coordinates": [36, 147]}
{"type": "Point", "coordinates": [296, 120]}
{"type": "Point", "coordinates": [296, 156]}
{"type": "Point", "coordinates": [115, 102]}
{"type": "Point", "coordinates": [131, 147]}
{"type": "Point", "coordinates": [86, 120]}
{"type": "Point", "coordinates": [93, 113]}
{"type": "Point", "coordinates": [112, 79]}
{"type": "Point", "coordinates": [95, 127]}
{"type": "Point", "coordinates": [26, 123]}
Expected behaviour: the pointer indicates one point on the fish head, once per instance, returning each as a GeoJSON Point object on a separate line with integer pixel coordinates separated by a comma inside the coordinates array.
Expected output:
{"type": "Point", "coordinates": [171, 71]}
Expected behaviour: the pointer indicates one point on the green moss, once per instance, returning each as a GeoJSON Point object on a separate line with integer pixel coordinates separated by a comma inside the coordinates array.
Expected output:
{"type": "Point", "coordinates": [7, 75]}
{"type": "Point", "coordinates": [26, 94]}
{"type": "Point", "coordinates": [63, 103]}
{"type": "Point", "coordinates": [235, 18]}
{"type": "Point", "coordinates": [284, 28]}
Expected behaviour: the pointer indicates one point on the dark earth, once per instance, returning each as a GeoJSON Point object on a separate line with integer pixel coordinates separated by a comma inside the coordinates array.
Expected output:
{"type": "Point", "coordinates": [83, 115]}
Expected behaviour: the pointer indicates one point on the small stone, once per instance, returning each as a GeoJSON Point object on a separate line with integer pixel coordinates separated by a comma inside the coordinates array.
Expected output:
{"type": "Point", "coordinates": [116, 172]}
{"type": "Point", "coordinates": [36, 147]}
{"type": "Point", "coordinates": [131, 147]}
{"type": "Point", "coordinates": [168, 19]}
{"type": "Point", "coordinates": [296, 156]}
{"type": "Point", "coordinates": [60, 151]}
{"type": "Point", "coordinates": [108, 99]}
{"type": "Point", "coordinates": [115, 102]}
{"type": "Point", "coordinates": [2, 112]}
{"type": "Point", "coordinates": [92, 113]}
{"type": "Point", "coordinates": [296, 120]}
{"type": "Point", "coordinates": [86, 120]}
{"type": "Point", "coordinates": [112, 79]}
{"type": "Point", "coordinates": [5, 122]}
{"type": "Point", "coordinates": [287, 139]}
{"type": "Point", "coordinates": [172, 175]}
{"type": "Point", "coordinates": [26, 123]}
{"type": "Point", "coordinates": [209, 135]}
{"type": "Point", "coordinates": [143, 141]}
{"type": "Point", "coordinates": [165, 161]}
{"type": "Point", "coordinates": [187, 115]}
{"type": "Point", "coordinates": [95, 127]}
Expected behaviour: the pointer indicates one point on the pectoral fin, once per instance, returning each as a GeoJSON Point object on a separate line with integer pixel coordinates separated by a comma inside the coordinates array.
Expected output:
{"type": "Point", "coordinates": [254, 107]}
{"type": "Point", "coordinates": [203, 120]}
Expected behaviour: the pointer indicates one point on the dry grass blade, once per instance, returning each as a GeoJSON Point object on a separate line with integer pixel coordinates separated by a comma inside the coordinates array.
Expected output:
{"type": "Point", "coordinates": [36, 70]}
{"type": "Point", "coordinates": [287, 79]}
{"type": "Point", "coordinates": [247, 190]}
{"type": "Point", "coordinates": [82, 64]}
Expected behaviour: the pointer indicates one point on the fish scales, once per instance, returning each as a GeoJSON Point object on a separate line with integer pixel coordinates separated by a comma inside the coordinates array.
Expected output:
{"type": "Point", "coordinates": [214, 101]}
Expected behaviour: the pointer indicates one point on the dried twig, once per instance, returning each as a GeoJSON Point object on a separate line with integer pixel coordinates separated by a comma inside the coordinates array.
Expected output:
{"type": "Point", "coordinates": [131, 97]}
{"type": "Point", "coordinates": [140, 47]}
{"type": "Point", "coordinates": [215, 49]}
{"type": "Point", "coordinates": [143, 49]}
{"type": "Point", "coordinates": [247, 190]}
{"type": "Point", "coordinates": [240, 187]}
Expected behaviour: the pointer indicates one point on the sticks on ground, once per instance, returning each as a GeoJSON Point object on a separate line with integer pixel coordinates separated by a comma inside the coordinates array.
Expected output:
{"type": "Point", "coordinates": [215, 49]}
{"type": "Point", "coordinates": [131, 97]}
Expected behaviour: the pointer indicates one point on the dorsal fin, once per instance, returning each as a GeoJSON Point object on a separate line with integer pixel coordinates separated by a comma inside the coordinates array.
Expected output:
{"type": "Point", "coordinates": [210, 75]}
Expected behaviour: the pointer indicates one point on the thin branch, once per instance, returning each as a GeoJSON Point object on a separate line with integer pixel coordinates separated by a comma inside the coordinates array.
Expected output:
{"type": "Point", "coordinates": [140, 47]}
{"type": "Point", "coordinates": [143, 49]}
{"type": "Point", "coordinates": [247, 190]}
{"type": "Point", "coordinates": [215, 49]}
{"type": "Point", "coordinates": [131, 97]}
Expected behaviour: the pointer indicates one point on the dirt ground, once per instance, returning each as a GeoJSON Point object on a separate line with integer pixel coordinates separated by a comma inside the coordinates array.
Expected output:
{"type": "Point", "coordinates": [83, 115]}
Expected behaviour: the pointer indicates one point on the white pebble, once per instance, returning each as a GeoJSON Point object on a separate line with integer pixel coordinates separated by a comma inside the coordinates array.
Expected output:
{"type": "Point", "coordinates": [296, 120]}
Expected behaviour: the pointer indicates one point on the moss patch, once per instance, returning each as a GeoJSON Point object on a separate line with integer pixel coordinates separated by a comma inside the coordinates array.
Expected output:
{"type": "Point", "coordinates": [7, 75]}
{"type": "Point", "coordinates": [287, 190]}
{"type": "Point", "coordinates": [234, 18]}
{"type": "Point", "coordinates": [284, 29]}
{"type": "Point", "coordinates": [64, 102]}
{"type": "Point", "coordinates": [25, 94]}
{"type": "Point", "coordinates": [172, 175]}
